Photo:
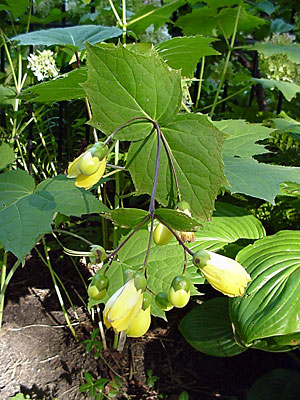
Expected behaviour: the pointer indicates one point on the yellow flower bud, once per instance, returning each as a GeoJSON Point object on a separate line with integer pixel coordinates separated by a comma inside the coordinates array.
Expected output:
{"type": "Point", "coordinates": [225, 275]}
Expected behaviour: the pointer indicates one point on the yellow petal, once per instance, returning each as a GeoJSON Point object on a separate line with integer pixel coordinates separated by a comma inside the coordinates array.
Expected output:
{"type": "Point", "coordinates": [87, 182]}
{"type": "Point", "coordinates": [125, 302]}
{"type": "Point", "coordinates": [73, 170]}
{"type": "Point", "coordinates": [126, 322]}
{"type": "Point", "coordinates": [140, 324]}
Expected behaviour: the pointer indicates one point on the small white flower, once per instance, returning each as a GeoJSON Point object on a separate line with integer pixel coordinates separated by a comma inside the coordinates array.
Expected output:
{"type": "Point", "coordinates": [43, 65]}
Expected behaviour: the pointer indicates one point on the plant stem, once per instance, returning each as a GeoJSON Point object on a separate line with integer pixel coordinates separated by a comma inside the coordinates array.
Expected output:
{"type": "Point", "coordinates": [200, 82]}
{"type": "Point", "coordinates": [5, 279]}
{"type": "Point", "coordinates": [149, 243]}
{"type": "Point", "coordinates": [124, 22]}
{"type": "Point", "coordinates": [230, 49]}
{"type": "Point", "coordinates": [74, 235]}
{"type": "Point", "coordinates": [115, 12]}
{"type": "Point", "coordinates": [152, 199]}
{"type": "Point", "coordinates": [176, 236]}
{"type": "Point", "coordinates": [168, 151]}
{"type": "Point", "coordinates": [117, 192]}
{"type": "Point", "coordinates": [124, 125]}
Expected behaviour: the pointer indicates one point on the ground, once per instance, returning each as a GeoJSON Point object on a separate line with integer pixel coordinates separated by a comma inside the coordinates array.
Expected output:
{"type": "Point", "coordinates": [40, 357]}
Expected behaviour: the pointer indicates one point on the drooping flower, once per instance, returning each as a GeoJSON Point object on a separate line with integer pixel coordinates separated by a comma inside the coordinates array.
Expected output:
{"type": "Point", "coordinates": [223, 273]}
{"type": "Point", "coordinates": [88, 169]}
{"type": "Point", "coordinates": [124, 312]}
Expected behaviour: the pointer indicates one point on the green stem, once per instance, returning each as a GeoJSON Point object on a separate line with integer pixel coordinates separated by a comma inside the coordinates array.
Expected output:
{"type": "Point", "coordinates": [226, 62]}
{"type": "Point", "coordinates": [74, 235]}
{"type": "Point", "coordinates": [200, 82]}
{"type": "Point", "coordinates": [117, 192]}
{"type": "Point", "coordinates": [5, 279]}
{"type": "Point", "coordinates": [116, 341]}
{"type": "Point", "coordinates": [124, 22]}
{"type": "Point", "coordinates": [115, 12]}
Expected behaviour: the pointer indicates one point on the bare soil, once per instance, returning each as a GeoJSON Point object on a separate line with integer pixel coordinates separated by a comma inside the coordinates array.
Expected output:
{"type": "Point", "coordinates": [40, 357]}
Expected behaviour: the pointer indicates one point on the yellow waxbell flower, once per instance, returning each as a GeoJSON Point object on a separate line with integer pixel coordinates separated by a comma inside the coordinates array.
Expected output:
{"type": "Point", "coordinates": [140, 324]}
{"type": "Point", "coordinates": [89, 167]}
{"type": "Point", "coordinates": [223, 273]}
{"type": "Point", "coordinates": [123, 307]}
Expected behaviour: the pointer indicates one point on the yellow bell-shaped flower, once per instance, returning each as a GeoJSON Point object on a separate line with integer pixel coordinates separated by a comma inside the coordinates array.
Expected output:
{"type": "Point", "coordinates": [223, 273]}
{"type": "Point", "coordinates": [140, 324]}
{"type": "Point", "coordinates": [87, 169]}
{"type": "Point", "coordinates": [123, 307]}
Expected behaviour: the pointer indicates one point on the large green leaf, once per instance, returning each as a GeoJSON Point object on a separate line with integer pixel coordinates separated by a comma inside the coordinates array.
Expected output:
{"type": "Point", "coordinates": [242, 137]}
{"type": "Point", "coordinates": [128, 217]}
{"type": "Point", "coordinates": [157, 16]}
{"type": "Point", "coordinates": [26, 213]}
{"type": "Point", "coordinates": [123, 84]}
{"type": "Point", "coordinates": [195, 146]}
{"type": "Point", "coordinates": [7, 155]}
{"type": "Point", "coordinates": [64, 87]}
{"type": "Point", "coordinates": [229, 224]}
{"type": "Point", "coordinates": [279, 384]}
{"type": "Point", "coordinates": [17, 8]}
{"type": "Point", "coordinates": [255, 179]}
{"type": "Point", "coordinates": [288, 89]}
{"type": "Point", "coordinates": [211, 19]}
{"type": "Point", "coordinates": [292, 51]}
{"type": "Point", "coordinates": [208, 329]}
{"type": "Point", "coordinates": [267, 315]}
{"type": "Point", "coordinates": [185, 52]}
{"type": "Point", "coordinates": [7, 95]}
{"type": "Point", "coordinates": [69, 199]}
{"type": "Point", "coordinates": [177, 220]}
{"type": "Point", "coordinates": [74, 36]}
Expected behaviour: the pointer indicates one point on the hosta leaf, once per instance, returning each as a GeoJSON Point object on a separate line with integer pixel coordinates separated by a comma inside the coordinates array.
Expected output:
{"type": "Point", "coordinates": [64, 87]}
{"type": "Point", "coordinates": [157, 16]}
{"type": "Point", "coordinates": [267, 315]}
{"type": "Point", "coordinates": [278, 25]}
{"type": "Point", "coordinates": [128, 217]}
{"type": "Point", "coordinates": [123, 84]}
{"type": "Point", "coordinates": [279, 384]}
{"type": "Point", "coordinates": [24, 215]}
{"type": "Point", "coordinates": [229, 224]}
{"type": "Point", "coordinates": [207, 328]}
{"type": "Point", "coordinates": [74, 36]}
{"type": "Point", "coordinates": [195, 146]}
{"type": "Point", "coordinates": [69, 199]}
{"type": "Point", "coordinates": [259, 180]}
{"type": "Point", "coordinates": [185, 52]}
{"type": "Point", "coordinates": [7, 155]}
{"type": "Point", "coordinates": [288, 89]}
{"type": "Point", "coordinates": [241, 137]}
{"type": "Point", "coordinates": [177, 220]}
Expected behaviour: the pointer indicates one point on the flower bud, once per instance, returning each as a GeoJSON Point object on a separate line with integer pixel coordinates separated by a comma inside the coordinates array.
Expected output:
{"type": "Point", "coordinates": [99, 150]}
{"type": "Point", "coordinates": [96, 294]}
{"type": "Point", "coordinates": [88, 165]}
{"type": "Point", "coordinates": [161, 299]}
{"type": "Point", "coordinates": [186, 237]}
{"type": "Point", "coordinates": [200, 258]}
{"type": "Point", "coordinates": [140, 281]}
{"type": "Point", "coordinates": [179, 293]}
{"type": "Point", "coordinates": [128, 274]}
{"type": "Point", "coordinates": [146, 300]}
{"type": "Point", "coordinates": [180, 282]}
{"type": "Point", "coordinates": [98, 286]}
{"type": "Point", "coordinates": [184, 206]}
{"type": "Point", "coordinates": [97, 254]}
{"type": "Point", "coordinates": [162, 235]}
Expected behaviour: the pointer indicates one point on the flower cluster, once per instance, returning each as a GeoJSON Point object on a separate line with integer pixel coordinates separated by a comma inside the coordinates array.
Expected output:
{"type": "Point", "coordinates": [43, 64]}
{"type": "Point", "coordinates": [278, 66]}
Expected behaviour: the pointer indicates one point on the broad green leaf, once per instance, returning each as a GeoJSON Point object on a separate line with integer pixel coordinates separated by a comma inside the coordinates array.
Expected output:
{"type": "Point", "coordinates": [211, 19]}
{"type": "Point", "coordinates": [288, 89]}
{"type": "Point", "coordinates": [55, 15]}
{"type": "Point", "coordinates": [255, 179]}
{"type": "Point", "coordinates": [207, 328]}
{"type": "Point", "coordinates": [74, 36]}
{"type": "Point", "coordinates": [64, 87]}
{"type": "Point", "coordinates": [241, 137]}
{"type": "Point", "coordinates": [185, 52]}
{"type": "Point", "coordinates": [266, 6]}
{"type": "Point", "coordinates": [17, 8]}
{"type": "Point", "coordinates": [24, 215]}
{"type": "Point", "coordinates": [292, 51]}
{"type": "Point", "coordinates": [157, 16]}
{"type": "Point", "coordinates": [128, 217]}
{"type": "Point", "coordinates": [7, 155]}
{"type": "Point", "coordinates": [266, 316]}
{"type": "Point", "coordinates": [177, 220]}
{"type": "Point", "coordinates": [123, 85]}
{"type": "Point", "coordinates": [69, 199]}
{"type": "Point", "coordinates": [279, 384]}
{"type": "Point", "coordinates": [7, 95]}
{"type": "Point", "coordinates": [229, 224]}
{"type": "Point", "coordinates": [195, 145]}
{"type": "Point", "coordinates": [278, 25]}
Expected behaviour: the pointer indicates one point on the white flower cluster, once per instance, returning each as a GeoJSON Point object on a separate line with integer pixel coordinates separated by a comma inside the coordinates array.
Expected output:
{"type": "Point", "coordinates": [279, 67]}
{"type": "Point", "coordinates": [155, 37]}
{"type": "Point", "coordinates": [43, 64]}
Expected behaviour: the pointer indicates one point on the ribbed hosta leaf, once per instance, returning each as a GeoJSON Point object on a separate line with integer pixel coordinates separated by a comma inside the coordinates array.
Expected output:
{"type": "Point", "coordinates": [207, 328]}
{"type": "Point", "coordinates": [267, 316]}
{"type": "Point", "coordinates": [229, 223]}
